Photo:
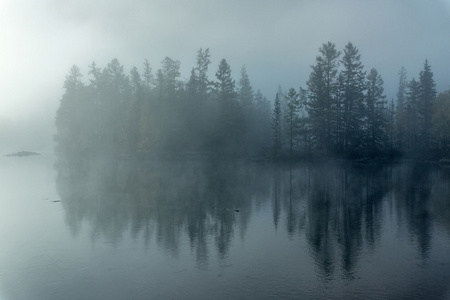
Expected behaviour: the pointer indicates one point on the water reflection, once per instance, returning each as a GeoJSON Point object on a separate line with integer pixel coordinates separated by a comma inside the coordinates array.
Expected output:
{"type": "Point", "coordinates": [169, 199]}
{"type": "Point", "coordinates": [338, 208]}
{"type": "Point", "coordinates": [344, 210]}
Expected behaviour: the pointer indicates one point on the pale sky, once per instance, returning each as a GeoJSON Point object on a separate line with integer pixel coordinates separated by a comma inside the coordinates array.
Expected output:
{"type": "Point", "coordinates": [277, 40]}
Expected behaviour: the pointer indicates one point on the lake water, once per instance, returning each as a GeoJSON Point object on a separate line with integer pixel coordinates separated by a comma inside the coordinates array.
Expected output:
{"type": "Point", "coordinates": [222, 230]}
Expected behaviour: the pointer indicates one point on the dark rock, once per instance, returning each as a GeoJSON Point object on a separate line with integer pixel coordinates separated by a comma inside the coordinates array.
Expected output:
{"type": "Point", "coordinates": [22, 153]}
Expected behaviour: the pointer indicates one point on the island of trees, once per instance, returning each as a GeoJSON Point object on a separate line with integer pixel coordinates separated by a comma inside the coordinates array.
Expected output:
{"type": "Point", "coordinates": [342, 112]}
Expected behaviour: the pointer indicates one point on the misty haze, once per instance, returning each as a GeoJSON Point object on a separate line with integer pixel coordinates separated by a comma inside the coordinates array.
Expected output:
{"type": "Point", "coordinates": [225, 150]}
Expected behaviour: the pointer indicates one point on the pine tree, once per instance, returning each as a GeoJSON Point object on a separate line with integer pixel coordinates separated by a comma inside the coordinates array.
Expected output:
{"type": "Point", "coordinates": [148, 76]}
{"type": "Point", "coordinates": [427, 96]}
{"type": "Point", "coordinates": [322, 92]}
{"type": "Point", "coordinates": [116, 101]}
{"type": "Point", "coordinates": [225, 85]}
{"type": "Point", "coordinates": [247, 103]}
{"type": "Point", "coordinates": [276, 127]}
{"type": "Point", "coordinates": [198, 83]}
{"type": "Point", "coordinates": [412, 117]}
{"type": "Point", "coordinates": [169, 91]}
{"type": "Point", "coordinates": [375, 104]}
{"type": "Point", "coordinates": [263, 110]}
{"type": "Point", "coordinates": [304, 124]}
{"type": "Point", "coordinates": [203, 62]}
{"type": "Point", "coordinates": [74, 118]}
{"type": "Point", "coordinates": [400, 114]}
{"type": "Point", "coordinates": [441, 124]}
{"type": "Point", "coordinates": [148, 125]}
{"type": "Point", "coordinates": [246, 96]}
{"type": "Point", "coordinates": [134, 111]}
{"type": "Point", "coordinates": [197, 110]}
{"type": "Point", "coordinates": [231, 125]}
{"type": "Point", "coordinates": [353, 87]}
{"type": "Point", "coordinates": [390, 127]}
{"type": "Point", "coordinates": [292, 119]}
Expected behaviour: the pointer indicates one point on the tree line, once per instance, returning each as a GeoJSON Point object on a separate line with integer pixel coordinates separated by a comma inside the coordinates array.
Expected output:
{"type": "Point", "coordinates": [342, 112]}
{"type": "Point", "coordinates": [144, 113]}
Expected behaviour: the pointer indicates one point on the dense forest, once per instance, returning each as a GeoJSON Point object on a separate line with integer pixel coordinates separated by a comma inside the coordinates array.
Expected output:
{"type": "Point", "coordinates": [342, 112]}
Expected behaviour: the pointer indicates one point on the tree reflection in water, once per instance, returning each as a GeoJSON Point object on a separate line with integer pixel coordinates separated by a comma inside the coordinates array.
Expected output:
{"type": "Point", "coordinates": [167, 199]}
{"type": "Point", "coordinates": [344, 207]}
{"type": "Point", "coordinates": [338, 208]}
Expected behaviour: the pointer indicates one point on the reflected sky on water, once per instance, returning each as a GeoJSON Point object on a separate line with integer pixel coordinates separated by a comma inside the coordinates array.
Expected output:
{"type": "Point", "coordinates": [223, 229]}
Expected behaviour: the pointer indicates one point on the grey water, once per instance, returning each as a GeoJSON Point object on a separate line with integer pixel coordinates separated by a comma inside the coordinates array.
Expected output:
{"type": "Point", "coordinates": [222, 229]}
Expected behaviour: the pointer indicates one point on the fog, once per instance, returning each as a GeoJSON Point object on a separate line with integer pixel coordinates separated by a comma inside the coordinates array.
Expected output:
{"type": "Point", "coordinates": [224, 149]}
{"type": "Point", "coordinates": [277, 42]}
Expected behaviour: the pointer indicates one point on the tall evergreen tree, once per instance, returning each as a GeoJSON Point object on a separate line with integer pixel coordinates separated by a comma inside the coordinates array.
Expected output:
{"type": "Point", "coordinates": [169, 91]}
{"type": "Point", "coordinates": [225, 85]}
{"type": "Point", "coordinates": [390, 127]}
{"type": "Point", "coordinates": [134, 111]}
{"type": "Point", "coordinates": [246, 96]}
{"type": "Point", "coordinates": [276, 127]}
{"type": "Point", "coordinates": [292, 119]}
{"type": "Point", "coordinates": [412, 117]}
{"type": "Point", "coordinates": [400, 114]}
{"type": "Point", "coordinates": [304, 124]}
{"type": "Point", "coordinates": [322, 90]}
{"type": "Point", "coordinates": [441, 124]}
{"type": "Point", "coordinates": [375, 104]}
{"type": "Point", "coordinates": [148, 78]}
{"type": "Point", "coordinates": [427, 96]}
{"type": "Point", "coordinates": [150, 113]}
{"type": "Point", "coordinates": [115, 93]}
{"type": "Point", "coordinates": [353, 86]}
{"type": "Point", "coordinates": [74, 118]}
{"type": "Point", "coordinates": [198, 83]}
{"type": "Point", "coordinates": [203, 62]}
{"type": "Point", "coordinates": [247, 103]}
{"type": "Point", "coordinates": [262, 138]}
{"type": "Point", "coordinates": [231, 125]}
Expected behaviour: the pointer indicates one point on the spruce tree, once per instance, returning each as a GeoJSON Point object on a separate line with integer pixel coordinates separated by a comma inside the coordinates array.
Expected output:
{"type": "Point", "coordinates": [412, 118]}
{"type": "Point", "coordinates": [400, 113]}
{"type": "Point", "coordinates": [246, 96]}
{"type": "Point", "coordinates": [247, 103]}
{"type": "Point", "coordinates": [427, 95]}
{"type": "Point", "coordinates": [353, 86]}
{"type": "Point", "coordinates": [263, 111]}
{"type": "Point", "coordinates": [292, 119]}
{"type": "Point", "coordinates": [201, 68]}
{"type": "Point", "coordinates": [375, 108]}
{"type": "Point", "coordinates": [276, 127]}
{"type": "Point", "coordinates": [441, 124]}
{"type": "Point", "coordinates": [231, 125]}
{"type": "Point", "coordinates": [322, 92]}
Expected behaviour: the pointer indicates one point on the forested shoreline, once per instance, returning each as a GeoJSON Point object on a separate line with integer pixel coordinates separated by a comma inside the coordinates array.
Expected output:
{"type": "Point", "coordinates": [341, 112]}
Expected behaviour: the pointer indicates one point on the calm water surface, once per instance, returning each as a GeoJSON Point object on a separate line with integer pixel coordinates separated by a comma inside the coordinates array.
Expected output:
{"type": "Point", "coordinates": [222, 230]}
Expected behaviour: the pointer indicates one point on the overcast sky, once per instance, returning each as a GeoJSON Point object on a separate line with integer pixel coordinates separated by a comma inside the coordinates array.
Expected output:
{"type": "Point", "coordinates": [277, 40]}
